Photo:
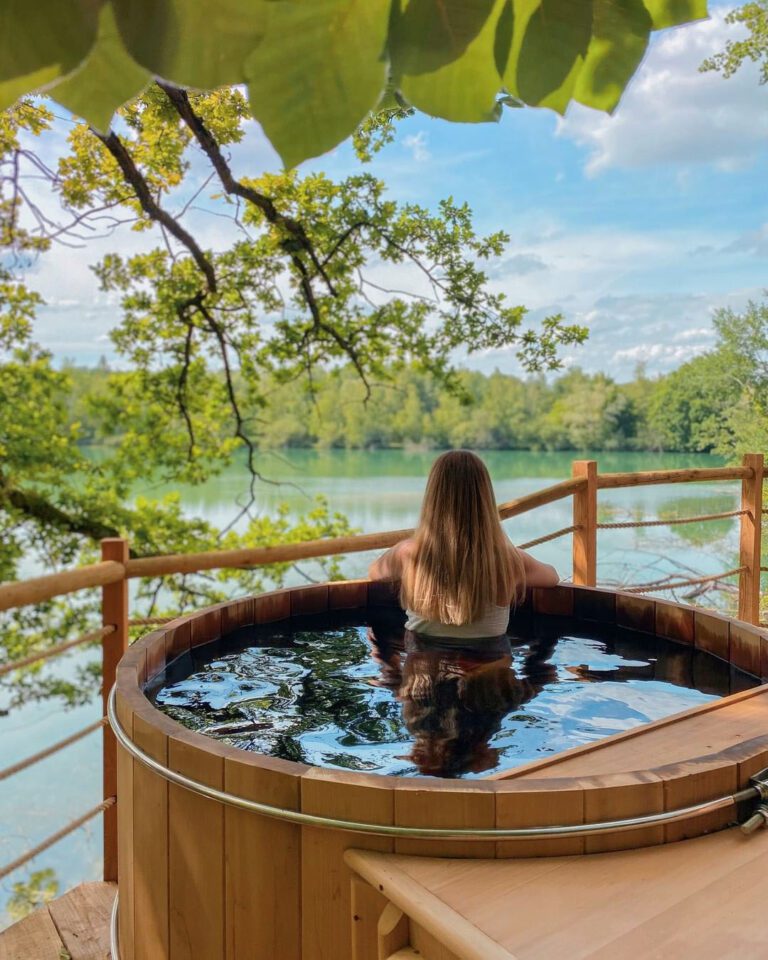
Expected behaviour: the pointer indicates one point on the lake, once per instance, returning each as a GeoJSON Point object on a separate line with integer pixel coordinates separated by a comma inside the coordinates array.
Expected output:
{"type": "Point", "coordinates": [378, 490]}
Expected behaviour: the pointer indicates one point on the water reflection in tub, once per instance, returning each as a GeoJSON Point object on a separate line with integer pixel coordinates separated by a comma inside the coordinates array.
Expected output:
{"type": "Point", "coordinates": [358, 692]}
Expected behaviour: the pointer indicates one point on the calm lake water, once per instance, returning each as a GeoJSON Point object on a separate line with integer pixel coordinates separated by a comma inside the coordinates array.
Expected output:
{"type": "Point", "coordinates": [378, 491]}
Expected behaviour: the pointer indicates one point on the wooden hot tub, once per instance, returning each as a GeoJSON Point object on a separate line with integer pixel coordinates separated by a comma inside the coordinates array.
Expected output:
{"type": "Point", "coordinates": [205, 878]}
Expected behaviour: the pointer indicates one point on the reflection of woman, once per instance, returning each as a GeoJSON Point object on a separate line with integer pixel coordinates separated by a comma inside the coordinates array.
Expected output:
{"type": "Point", "coordinates": [459, 573]}
{"type": "Point", "coordinates": [453, 703]}
{"type": "Point", "coordinates": [455, 696]}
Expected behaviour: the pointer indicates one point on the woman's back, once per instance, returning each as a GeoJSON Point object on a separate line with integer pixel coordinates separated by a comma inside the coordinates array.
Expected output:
{"type": "Point", "coordinates": [492, 622]}
{"type": "Point", "coordinates": [459, 573]}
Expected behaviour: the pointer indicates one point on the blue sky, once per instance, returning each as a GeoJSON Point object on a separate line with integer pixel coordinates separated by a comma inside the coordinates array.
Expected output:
{"type": "Point", "coordinates": [638, 225]}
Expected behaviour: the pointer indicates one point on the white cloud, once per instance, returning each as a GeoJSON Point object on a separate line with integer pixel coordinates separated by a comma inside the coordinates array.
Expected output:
{"type": "Point", "coordinates": [672, 113]}
{"type": "Point", "coordinates": [417, 144]}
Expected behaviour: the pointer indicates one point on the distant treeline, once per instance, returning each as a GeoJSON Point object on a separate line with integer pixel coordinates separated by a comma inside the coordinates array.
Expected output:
{"type": "Point", "coordinates": [683, 411]}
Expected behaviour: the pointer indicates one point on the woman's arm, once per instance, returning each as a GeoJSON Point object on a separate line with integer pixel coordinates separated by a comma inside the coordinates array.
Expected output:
{"type": "Point", "coordinates": [389, 566]}
{"type": "Point", "coordinates": [538, 574]}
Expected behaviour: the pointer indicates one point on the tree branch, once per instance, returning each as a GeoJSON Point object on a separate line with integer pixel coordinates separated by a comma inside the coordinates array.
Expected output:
{"type": "Point", "coordinates": [152, 208]}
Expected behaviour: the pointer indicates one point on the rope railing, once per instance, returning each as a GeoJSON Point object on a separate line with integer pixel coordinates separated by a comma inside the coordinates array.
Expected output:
{"type": "Point", "coordinates": [666, 584]}
{"type": "Point", "coordinates": [117, 568]}
{"type": "Point", "coordinates": [57, 650]}
{"type": "Point", "coordinates": [547, 537]}
{"type": "Point", "coordinates": [55, 837]}
{"type": "Point", "coordinates": [50, 751]}
{"type": "Point", "coordinates": [671, 522]}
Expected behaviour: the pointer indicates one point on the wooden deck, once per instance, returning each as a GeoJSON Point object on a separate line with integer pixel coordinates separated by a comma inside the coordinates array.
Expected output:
{"type": "Point", "coordinates": [702, 898]}
{"type": "Point", "coordinates": [73, 927]}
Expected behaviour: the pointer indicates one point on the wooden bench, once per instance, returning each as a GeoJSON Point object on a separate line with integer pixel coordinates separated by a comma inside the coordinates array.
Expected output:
{"type": "Point", "coordinates": [702, 898]}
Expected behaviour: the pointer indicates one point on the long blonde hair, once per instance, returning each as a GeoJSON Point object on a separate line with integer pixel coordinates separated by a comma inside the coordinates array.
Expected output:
{"type": "Point", "coordinates": [462, 561]}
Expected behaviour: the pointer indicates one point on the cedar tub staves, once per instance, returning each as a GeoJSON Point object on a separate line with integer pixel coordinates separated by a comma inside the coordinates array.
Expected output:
{"type": "Point", "coordinates": [201, 878]}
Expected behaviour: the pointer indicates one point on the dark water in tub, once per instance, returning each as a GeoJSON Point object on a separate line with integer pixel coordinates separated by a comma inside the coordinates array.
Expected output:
{"type": "Point", "coordinates": [355, 692]}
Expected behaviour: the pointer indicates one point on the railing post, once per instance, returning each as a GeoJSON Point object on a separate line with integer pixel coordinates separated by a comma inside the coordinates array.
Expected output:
{"type": "Point", "coordinates": [585, 522]}
{"type": "Point", "coordinates": [749, 541]}
{"type": "Point", "coordinates": [114, 613]}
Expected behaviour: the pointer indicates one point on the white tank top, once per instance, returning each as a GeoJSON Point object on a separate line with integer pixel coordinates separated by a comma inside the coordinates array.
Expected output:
{"type": "Point", "coordinates": [493, 623]}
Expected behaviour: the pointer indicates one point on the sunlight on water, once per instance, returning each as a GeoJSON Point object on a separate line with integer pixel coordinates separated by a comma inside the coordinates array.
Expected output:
{"type": "Point", "coordinates": [363, 694]}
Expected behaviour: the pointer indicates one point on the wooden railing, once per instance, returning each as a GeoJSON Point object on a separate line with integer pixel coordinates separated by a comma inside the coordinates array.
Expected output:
{"type": "Point", "coordinates": [117, 568]}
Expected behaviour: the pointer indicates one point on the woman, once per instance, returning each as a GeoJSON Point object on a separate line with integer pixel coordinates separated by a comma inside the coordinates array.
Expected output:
{"type": "Point", "coordinates": [458, 573]}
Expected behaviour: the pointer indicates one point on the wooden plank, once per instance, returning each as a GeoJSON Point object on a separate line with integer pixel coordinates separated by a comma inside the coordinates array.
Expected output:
{"type": "Point", "coordinates": [535, 803]}
{"type": "Point", "coordinates": [33, 938]}
{"type": "Point", "coordinates": [636, 613]}
{"type": "Point", "coordinates": [196, 847]}
{"type": "Point", "coordinates": [554, 601]}
{"type": "Point", "coordinates": [618, 796]}
{"type": "Point", "coordinates": [444, 803]}
{"type": "Point", "coordinates": [745, 648]}
{"type": "Point", "coordinates": [312, 599]}
{"type": "Point", "coordinates": [150, 843]}
{"type": "Point", "coordinates": [262, 861]}
{"type": "Point", "coordinates": [23, 593]}
{"type": "Point", "coordinates": [689, 783]}
{"type": "Point", "coordinates": [82, 918]}
{"type": "Point", "coordinates": [571, 907]}
{"type": "Point", "coordinates": [326, 889]}
{"type": "Point", "coordinates": [114, 613]}
{"type": "Point", "coordinates": [750, 534]}
{"type": "Point", "coordinates": [593, 603]}
{"type": "Point", "coordinates": [125, 769]}
{"type": "Point", "coordinates": [392, 931]}
{"type": "Point", "coordinates": [609, 481]}
{"type": "Point", "coordinates": [236, 613]}
{"type": "Point", "coordinates": [724, 919]}
{"type": "Point", "coordinates": [699, 734]}
{"type": "Point", "coordinates": [347, 594]}
{"type": "Point", "coordinates": [205, 626]}
{"type": "Point", "coordinates": [426, 946]}
{"type": "Point", "coordinates": [712, 634]}
{"type": "Point", "coordinates": [390, 874]}
{"type": "Point", "coordinates": [268, 607]}
{"type": "Point", "coordinates": [585, 522]}
{"type": "Point", "coordinates": [674, 621]}
{"type": "Point", "coordinates": [178, 634]}
{"type": "Point", "coordinates": [367, 906]}
{"type": "Point", "coordinates": [575, 757]}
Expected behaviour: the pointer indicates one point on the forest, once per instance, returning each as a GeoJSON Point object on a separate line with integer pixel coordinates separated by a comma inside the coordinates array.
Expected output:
{"type": "Point", "coordinates": [711, 404]}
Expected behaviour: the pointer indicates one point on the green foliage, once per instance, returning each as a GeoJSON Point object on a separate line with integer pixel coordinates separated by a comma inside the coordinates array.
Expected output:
{"type": "Point", "coordinates": [315, 68]}
{"type": "Point", "coordinates": [204, 336]}
{"type": "Point", "coordinates": [753, 47]}
{"type": "Point", "coordinates": [41, 887]}
{"type": "Point", "coordinates": [718, 402]}
{"type": "Point", "coordinates": [689, 409]}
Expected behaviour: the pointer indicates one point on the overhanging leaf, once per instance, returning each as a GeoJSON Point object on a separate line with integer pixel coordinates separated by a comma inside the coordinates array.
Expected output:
{"type": "Point", "coordinates": [465, 90]}
{"type": "Point", "coordinates": [425, 35]}
{"type": "Point", "coordinates": [42, 41]}
{"type": "Point", "coordinates": [555, 42]}
{"type": "Point", "coordinates": [671, 13]}
{"type": "Point", "coordinates": [318, 73]}
{"type": "Point", "coordinates": [619, 41]}
{"type": "Point", "coordinates": [196, 43]}
{"type": "Point", "coordinates": [107, 79]}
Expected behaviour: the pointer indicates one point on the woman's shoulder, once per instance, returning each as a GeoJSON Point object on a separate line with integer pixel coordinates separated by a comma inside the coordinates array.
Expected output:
{"type": "Point", "coordinates": [405, 548]}
{"type": "Point", "coordinates": [403, 551]}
